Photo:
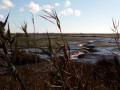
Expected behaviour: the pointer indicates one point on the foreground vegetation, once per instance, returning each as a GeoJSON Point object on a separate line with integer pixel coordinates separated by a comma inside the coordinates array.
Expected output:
{"type": "Point", "coordinates": [22, 70]}
{"type": "Point", "coordinates": [81, 76]}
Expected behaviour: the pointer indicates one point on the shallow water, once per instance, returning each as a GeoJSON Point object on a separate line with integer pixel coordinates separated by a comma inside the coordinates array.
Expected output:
{"type": "Point", "coordinates": [104, 46]}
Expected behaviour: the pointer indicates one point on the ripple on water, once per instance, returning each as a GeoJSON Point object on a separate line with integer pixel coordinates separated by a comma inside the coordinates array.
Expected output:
{"type": "Point", "coordinates": [107, 51]}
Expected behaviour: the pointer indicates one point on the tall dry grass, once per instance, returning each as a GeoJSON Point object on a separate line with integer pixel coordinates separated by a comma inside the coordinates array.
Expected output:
{"type": "Point", "coordinates": [6, 41]}
{"type": "Point", "coordinates": [60, 72]}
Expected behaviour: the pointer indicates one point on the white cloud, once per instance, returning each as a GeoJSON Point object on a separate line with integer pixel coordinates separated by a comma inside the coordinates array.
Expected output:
{"type": "Point", "coordinates": [57, 4]}
{"type": "Point", "coordinates": [48, 7]}
{"type": "Point", "coordinates": [34, 7]}
{"type": "Point", "coordinates": [77, 12]}
{"type": "Point", "coordinates": [70, 11]}
{"type": "Point", "coordinates": [66, 12]}
{"type": "Point", "coordinates": [22, 9]}
{"type": "Point", "coordinates": [6, 4]}
{"type": "Point", "coordinates": [67, 3]}
{"type": "Point", "coordinates": [1, 16]}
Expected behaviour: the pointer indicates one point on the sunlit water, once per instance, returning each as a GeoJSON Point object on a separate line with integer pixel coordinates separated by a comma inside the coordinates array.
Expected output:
{"type": "Point", "coordinates": [104, 46]}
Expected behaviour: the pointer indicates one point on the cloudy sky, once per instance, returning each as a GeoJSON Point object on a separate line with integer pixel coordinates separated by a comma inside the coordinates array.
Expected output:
{"type": "Point", "coordinates": [76, 16]}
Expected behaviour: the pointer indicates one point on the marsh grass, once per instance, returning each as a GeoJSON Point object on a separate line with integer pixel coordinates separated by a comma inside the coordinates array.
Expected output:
{"type": "Point", "coordinates": [92, 77]}
{"type": "Point", "coordinates": [59, 72]}
{"type": "Point", "coordinates": [70, 75]}
{"type": "Point", "coordinates": [6, 41]}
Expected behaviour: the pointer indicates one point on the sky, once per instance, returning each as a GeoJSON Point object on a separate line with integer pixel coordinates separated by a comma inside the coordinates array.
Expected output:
{"type": "Point", "coordinates": [76, 16]}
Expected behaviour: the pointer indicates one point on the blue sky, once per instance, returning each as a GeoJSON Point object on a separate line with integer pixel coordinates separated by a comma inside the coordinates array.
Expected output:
{"type": "Point", "coordinates": [76, 16]}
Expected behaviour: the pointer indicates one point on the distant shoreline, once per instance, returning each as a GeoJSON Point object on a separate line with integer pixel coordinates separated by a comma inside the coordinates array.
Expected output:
{"type": "Point", "coordinates": [73, 34]}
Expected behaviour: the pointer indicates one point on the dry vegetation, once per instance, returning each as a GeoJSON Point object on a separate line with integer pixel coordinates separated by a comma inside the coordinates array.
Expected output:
{"type": "Point", "coordinates": [80, 76]}
{"type": "Point", "coordinates": [57, 72]}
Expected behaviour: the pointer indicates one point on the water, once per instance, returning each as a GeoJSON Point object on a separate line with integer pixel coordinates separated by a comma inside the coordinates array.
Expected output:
{"type": "Point", "coordinates": [103, 48]}
{"type": "Point", "coordinates": [102, 45]}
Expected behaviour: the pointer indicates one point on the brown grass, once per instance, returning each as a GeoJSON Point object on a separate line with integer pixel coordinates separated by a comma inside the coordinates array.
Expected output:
{"type": "Point", "coordinates": [92, 77]}
{"type": "Point", "coordinates": [59, 72]}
